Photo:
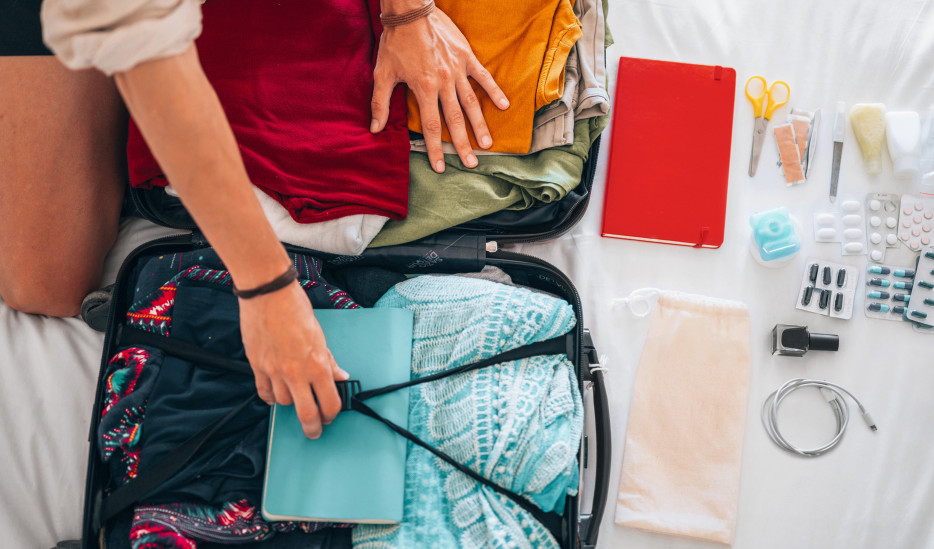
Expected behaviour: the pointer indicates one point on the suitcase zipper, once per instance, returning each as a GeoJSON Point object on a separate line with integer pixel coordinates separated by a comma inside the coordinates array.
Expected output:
{"type": "Point", "coordinates": [181, 238]}
{"type": "Point", "coordinates": [570, 219]}
{"type": "Point", "coordinates": [558, 278]}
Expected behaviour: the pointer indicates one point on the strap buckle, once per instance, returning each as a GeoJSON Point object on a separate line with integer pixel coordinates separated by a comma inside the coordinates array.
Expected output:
{"type": "Point", "coordinates": [347, 390]}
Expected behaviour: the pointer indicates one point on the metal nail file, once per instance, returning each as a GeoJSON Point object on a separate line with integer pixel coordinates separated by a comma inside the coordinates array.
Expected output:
{"type": "Point", "coordinates": [839, 130]}
{"type": "Point", "coordinates": [812, 143]}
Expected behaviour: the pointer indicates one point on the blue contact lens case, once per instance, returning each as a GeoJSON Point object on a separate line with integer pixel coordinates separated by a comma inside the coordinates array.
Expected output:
{"type": "Point", "coordinates": [774, 234]}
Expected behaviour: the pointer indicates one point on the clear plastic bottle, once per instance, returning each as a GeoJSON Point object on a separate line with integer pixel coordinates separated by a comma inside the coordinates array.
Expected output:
{"type": "Point", "coordinates": [927, 148]}
{"type": "Point", "coordinates": [903, 136]}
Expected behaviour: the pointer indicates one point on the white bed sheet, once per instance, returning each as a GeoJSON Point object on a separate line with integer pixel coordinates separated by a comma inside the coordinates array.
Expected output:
{"type": "Point", "coordinates": [873, 491]}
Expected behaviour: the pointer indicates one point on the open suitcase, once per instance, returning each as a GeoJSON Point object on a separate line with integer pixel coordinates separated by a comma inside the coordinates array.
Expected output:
{"type": "Point", "coordinates": [466, 248]}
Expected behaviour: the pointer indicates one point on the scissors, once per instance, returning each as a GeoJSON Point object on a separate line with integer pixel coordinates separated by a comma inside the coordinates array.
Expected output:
{"type": "Point", "coordinates": [764, 102]}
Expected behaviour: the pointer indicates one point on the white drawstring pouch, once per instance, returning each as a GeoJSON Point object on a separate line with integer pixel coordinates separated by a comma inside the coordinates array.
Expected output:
{"type": "Point", "coordinates": [683, 453]}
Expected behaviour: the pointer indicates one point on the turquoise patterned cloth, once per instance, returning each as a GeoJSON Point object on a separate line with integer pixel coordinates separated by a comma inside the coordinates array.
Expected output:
{"type": "Point", "coordinates": [518, 423]}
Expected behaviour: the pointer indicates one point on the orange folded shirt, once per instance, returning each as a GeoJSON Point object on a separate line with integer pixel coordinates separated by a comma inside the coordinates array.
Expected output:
{"type": "Point", "coordinates": [525, 46]}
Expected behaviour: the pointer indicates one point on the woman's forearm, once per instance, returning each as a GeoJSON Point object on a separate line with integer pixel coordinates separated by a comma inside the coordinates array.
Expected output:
{"type": "Point", "coordinates": [180, 117]}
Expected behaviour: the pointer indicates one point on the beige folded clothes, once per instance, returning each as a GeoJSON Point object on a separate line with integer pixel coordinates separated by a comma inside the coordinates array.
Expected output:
{"type": "Point", "coordinates": [681, 462]}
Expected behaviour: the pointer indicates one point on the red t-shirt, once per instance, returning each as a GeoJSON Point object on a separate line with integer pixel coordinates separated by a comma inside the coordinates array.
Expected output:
{"type": "Point", "coordinates": [295, 78]}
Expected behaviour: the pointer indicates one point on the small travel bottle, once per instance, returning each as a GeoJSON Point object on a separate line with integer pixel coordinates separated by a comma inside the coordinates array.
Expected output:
{"type": "Point", "coordinates": [789, 340]}
{"type": "Point", "coordinates": [903, 135]}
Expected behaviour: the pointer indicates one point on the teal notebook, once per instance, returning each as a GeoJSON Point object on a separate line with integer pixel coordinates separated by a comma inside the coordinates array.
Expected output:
{"type": "Point", "coordinates": [355, 472]}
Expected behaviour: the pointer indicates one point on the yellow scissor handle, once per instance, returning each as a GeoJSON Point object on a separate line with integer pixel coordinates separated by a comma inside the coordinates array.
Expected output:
{"type": "Point", "coordinates": [756, 93]}
{"type": "Point", "coordinates": [779, 92]}
{"type": "Point", "coordinates": [765, 101]}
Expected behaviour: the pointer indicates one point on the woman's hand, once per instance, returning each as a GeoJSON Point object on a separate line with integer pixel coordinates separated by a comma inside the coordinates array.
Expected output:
{"type": "Point", "coordinates": [290, 359]}
{"type": "Point", "coordinates": [434, 59]}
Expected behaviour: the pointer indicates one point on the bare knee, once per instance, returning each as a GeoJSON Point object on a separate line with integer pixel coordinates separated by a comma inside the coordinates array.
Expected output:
{"type": "Point", "coordinates": [44, 293]}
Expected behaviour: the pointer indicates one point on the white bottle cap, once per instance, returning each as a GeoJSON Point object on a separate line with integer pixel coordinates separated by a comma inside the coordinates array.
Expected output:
{"type": "Point", "coordinates": [907, 166]}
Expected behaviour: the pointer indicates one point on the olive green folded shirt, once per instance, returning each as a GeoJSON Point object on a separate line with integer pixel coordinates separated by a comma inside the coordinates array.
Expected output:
{"type": "Point", "coordinates": [441, 201]}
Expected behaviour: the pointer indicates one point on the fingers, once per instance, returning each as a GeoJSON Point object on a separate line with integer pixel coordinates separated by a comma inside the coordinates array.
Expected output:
{"type": "Point", "coordinates": [306, 410]}
{"type": "Point", "coordinates": [316, 404]}
{"type": "Point", "coordinates": [457, 126]}
{"type": "Point", "coordinates": [264, 388]}
{"type": "Point", "coordinates": [483, 77]}
{"type": "Point", "coordinates": [379, 105]}
{"type": "Point", "coordinates": [329, 402]}
{"type": "Point", "coordinates": [338, 373]}
{"type": "Point", "coordinates": [470, 103]}
{"type": "Point", "coordinates": [431, 129]}
{"type": "Point", "coordinates": [281, 391]}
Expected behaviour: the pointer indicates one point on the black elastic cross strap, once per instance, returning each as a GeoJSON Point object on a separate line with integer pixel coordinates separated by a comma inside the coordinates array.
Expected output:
{"type": "Point", "coordinates": [202, 357]}
{"type": "Point", "coordinates": [164, 468]}
{"type": "Point", "coordinates": [182, 349]}
{"type": "Point", "coordinates": [351, 399]}
{"type": "Point", "coordinates": [551, 521]}
{"type": "Point", "coordinates": [560, 345]}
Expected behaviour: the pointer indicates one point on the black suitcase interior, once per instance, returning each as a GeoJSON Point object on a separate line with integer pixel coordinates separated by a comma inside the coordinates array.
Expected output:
{"type": "Point", "coordinates": [466, 248]}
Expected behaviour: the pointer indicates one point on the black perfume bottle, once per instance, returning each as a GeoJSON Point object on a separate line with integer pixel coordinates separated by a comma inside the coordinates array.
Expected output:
{"type": "Point", "coordinates": [789, 340]}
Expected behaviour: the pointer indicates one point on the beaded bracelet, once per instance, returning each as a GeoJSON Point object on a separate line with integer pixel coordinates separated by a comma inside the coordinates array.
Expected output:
{"type": "Point", "coordinates": [277, 283]}
{"type": "Point", "coordinates": [407, 17]}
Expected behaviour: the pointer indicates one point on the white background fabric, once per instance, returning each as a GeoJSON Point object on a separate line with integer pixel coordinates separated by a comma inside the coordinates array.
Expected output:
{"type": "Point", "coordinates": [876, 490]}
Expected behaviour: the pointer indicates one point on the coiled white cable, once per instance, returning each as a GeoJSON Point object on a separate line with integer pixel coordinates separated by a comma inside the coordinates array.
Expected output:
{"type": "Point", "coordinates": [832, 393]}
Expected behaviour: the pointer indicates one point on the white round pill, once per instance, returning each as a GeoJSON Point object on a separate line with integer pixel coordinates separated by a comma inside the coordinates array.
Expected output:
{"type": "Point", "coordinates": [853, 248]}
{"type": "Point", "coordinates": [852, 220]}
{"type": "Point", "coordinates": [875, 221]}
{"type": "Point", "coordinates": [826, 234]}
{"type": "Point", "coordinates": [890, 222]}
{"type": "Point", "coordinates": [891, 239]}
{"type": "Point", "coordinates": [876, 238]}
{"type": "Point", "coordinates": [853, 234]}
{"type": "Point", "coordinates": [874, 205]}
{"type": "Point", "coordinates": [825, 220]}
{"type": "Point", "coordinates": [876, 255]}
{"type": "Point", "coordinates": [851, 206]}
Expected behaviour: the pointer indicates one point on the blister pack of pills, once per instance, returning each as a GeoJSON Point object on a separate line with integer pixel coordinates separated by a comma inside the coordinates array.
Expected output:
{"type": "Point", "coordinates": [847, 226]}
{"type": "Point", "coordinates": [828, 289]}
{"type": "Point", "coordinates": [921, 305]}
{"type": "Point", "coordinates": [916, 222]}
{"type": "Point", "coordinates": [882, 223]}
{"type": "Point", "coordinates": [888, 289]}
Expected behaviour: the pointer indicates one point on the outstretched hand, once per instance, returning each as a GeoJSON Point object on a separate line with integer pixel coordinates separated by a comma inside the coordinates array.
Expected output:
{"type": "Point", "coordinates": [289, 356]}
{"type": "Point", "coordinates": [434, 59]}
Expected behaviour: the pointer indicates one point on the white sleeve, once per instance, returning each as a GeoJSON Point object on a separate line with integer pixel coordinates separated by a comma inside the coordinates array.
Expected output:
{"type": "Point", "coordinates": [116, 35]}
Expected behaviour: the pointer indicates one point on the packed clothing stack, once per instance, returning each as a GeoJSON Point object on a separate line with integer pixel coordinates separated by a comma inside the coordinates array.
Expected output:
{"type": "Point", "coordinates": [299, 105]}
{"type": "Point", "coordinates": [549, 59]}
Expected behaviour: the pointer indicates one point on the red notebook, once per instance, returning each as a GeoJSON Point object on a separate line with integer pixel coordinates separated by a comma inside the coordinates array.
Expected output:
{"type": "Point", "coordinates": [670, 153]}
